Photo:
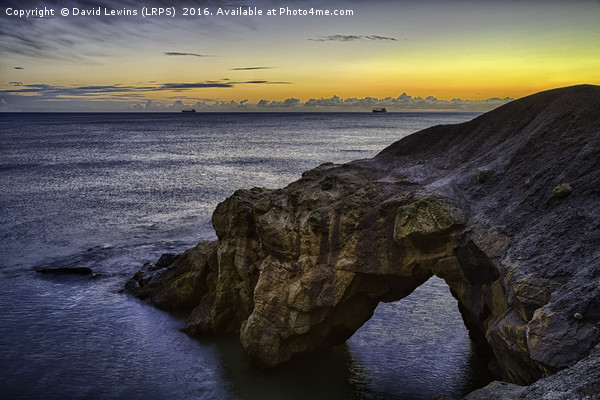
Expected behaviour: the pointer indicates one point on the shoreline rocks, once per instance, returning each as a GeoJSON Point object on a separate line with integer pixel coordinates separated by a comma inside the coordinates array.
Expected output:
{"type": "Point", "coordinates": [303, 267]}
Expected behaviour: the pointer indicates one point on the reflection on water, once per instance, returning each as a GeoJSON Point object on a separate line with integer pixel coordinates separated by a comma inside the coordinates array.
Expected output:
{"type": "Point", "coordinates": [414, 348]}
{"type": "Point", "coordinates": [411, 349]}
{"type": "Point", "coordinates": [323, 375]}
{"type": "Point", "coordinates": [79, 338]}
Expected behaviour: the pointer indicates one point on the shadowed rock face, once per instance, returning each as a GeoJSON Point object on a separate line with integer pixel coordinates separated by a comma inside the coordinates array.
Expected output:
{"type": "Point", "coordinates": [303, 267]}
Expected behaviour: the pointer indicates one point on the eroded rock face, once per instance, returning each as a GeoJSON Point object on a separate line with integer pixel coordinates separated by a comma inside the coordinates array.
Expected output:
{"type": "Point", "coordinates": [303, 267]}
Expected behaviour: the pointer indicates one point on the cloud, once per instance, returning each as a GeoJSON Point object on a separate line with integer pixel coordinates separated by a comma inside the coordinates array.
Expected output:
{"type": "Point", "coordinates": [49, 37]}
{"type": "Point", "coordinates": [174, 53]}
{"type": "Point", "coordinates": [92, 90]}
{"type": "Point", "coordinates": [258, 82]}
{"type": "Point", "coordinates": [250, 68]}
{"type": "Point", "coordinates": [352, 38]}
{"type": "Point", "coordinates": [265, 82]}
{"type": "Point", "coordinates": [405, 102]}
{"type": "Point", "coordinates": [400, 103]}
{"type": "Point", "coordinates": [45, 97]}
{"type": "Point", "coordinates": [18, 68]}
{"type": "Point", "coordinates": [79, 38]}
{"type": "Point", "coordinates": [381, 38]}
{"type": "Point", "coordinates": [157, 106]}
{"type": "Point", "coordinates": [287, 103]}
{"type": "Point", "coordinates": [77, 91]}
{"type": "Point", "coordinates": [46, 90]}
{"type": "Point", "coordinates": [185, 86]}
{"type": "Point", "coordinates": [96, 37]}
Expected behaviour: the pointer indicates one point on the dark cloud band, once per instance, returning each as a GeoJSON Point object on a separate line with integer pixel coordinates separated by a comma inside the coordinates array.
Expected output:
{"type": "Point", "coordinates": [50, 91]}
{"type": "Point", "coordinates": [175, 53]}
{"type": "Point", "coordinates": [250, 68]}
{"type": "Point", "coordinates": [352, 38]}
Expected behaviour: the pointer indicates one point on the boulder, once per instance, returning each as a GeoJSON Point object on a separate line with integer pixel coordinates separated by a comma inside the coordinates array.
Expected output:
{"type": "Point", "coordinates": [562, 191]}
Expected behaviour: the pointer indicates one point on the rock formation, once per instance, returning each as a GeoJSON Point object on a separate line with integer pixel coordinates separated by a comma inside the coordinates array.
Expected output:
{"type": "Point", "coordinates": [303, 267]}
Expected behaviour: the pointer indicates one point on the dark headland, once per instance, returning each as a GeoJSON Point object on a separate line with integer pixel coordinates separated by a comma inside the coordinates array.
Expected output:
{"type": "Point", "coordinates": [505, 208]}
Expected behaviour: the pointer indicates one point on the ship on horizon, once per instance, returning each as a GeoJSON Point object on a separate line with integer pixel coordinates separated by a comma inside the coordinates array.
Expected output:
{"type": "Point", "coordinates": [379, 110]}
{"type": "Point", "coordinates": [192, 110]}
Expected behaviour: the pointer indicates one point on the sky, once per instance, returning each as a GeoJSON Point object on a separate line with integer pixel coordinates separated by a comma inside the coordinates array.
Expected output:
{"type": "Point", "coordinates": [406, 55]}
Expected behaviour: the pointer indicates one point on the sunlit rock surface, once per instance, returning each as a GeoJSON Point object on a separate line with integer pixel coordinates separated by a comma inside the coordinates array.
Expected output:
{"type": "Point", "coordinates": [303, 267]}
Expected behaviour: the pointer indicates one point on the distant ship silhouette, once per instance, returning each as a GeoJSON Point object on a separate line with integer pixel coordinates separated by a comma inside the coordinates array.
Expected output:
{"type": "Point", "coordinates": [192, 110]}
{"type": "Point", "coordinates": [379, 110]}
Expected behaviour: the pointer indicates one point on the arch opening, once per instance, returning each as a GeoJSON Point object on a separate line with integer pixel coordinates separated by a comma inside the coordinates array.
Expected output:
{"type": "Point", "coordinates": [418, 347]}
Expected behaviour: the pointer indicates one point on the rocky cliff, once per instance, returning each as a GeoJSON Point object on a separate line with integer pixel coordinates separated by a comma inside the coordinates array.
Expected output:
{"type": "Point", "coordinates": [505, 208]}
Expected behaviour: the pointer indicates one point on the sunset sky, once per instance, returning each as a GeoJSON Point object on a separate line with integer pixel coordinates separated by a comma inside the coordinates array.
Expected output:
{"type": "Point", "coordinates": [438, 50]}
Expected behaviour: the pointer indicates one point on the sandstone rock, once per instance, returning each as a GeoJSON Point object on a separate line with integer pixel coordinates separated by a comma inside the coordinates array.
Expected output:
{"type": "Point", "coordinates": [303, 267]}
{"type": "Point", "coordinates": [421, 221]}
{"type": "Point", "coordinates": [184, 284]}
{"type": "Point", "coordinates": [508, 339]}
{"type": "Point", "coordinates": [580, 381]}
{"type": "Point", "coordinates": [561, 191]}
{"type": "Point", "coordinates": [556, 341]}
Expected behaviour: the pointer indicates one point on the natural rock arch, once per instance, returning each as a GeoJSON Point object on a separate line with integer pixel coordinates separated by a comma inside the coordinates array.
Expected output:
{"type": "Point", "coordinates": [301, 305]}
{"type": "Point", "coordinates": [302, 267]}
{"type": "Point", "coordinates": [297, 270]}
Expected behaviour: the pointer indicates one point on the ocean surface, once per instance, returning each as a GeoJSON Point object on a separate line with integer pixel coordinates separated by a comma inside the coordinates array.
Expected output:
{"type": "Point", "coordinates": [114, 191]}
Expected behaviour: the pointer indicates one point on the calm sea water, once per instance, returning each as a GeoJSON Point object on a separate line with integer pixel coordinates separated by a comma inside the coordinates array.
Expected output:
{"type": "Point", "coordinates": [113, 191]}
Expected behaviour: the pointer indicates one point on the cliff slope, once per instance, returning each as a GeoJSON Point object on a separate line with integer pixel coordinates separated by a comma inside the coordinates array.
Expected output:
{"type": "Point", "coordinates": [505, 208]}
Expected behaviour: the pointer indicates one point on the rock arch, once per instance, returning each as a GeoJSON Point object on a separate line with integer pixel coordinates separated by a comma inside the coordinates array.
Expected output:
{"type": "Point", "coordinates": [301, 268]}
{"type": "Point", "coordinates": [320, 293]}
{"type": "Point", "coordinates": [298, 269]}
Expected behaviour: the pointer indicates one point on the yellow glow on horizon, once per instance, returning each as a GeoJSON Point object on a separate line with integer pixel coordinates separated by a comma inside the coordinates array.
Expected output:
{"type": "Point", "coordinates": [467, 64]}
{"type": "Point", "coordinates": [476, 69]}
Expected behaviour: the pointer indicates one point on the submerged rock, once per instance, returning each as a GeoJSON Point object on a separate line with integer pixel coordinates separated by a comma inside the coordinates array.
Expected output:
{"type": "Point", "coordinates": [303, 267]}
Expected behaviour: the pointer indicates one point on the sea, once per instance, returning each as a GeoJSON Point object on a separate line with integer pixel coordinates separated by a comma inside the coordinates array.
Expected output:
{"type": "Point", "coordinates": [114, 191]}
